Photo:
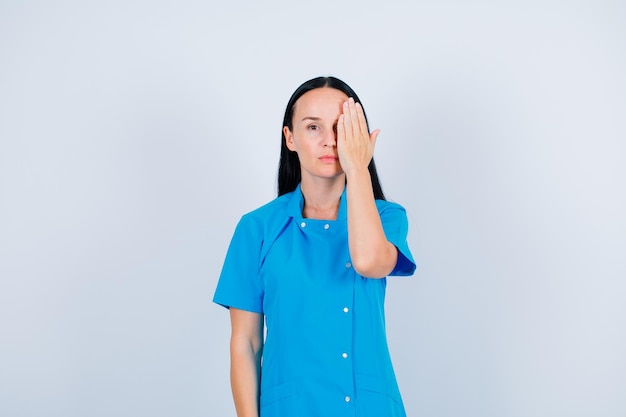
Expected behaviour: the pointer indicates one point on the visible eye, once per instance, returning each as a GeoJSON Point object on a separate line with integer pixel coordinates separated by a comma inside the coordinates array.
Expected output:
{"type": "Point", "coordinates": [313, 127]}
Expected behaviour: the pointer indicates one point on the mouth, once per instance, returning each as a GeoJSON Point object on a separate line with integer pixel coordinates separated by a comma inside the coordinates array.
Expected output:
{"type": "Point", "coordinates": [328, 158]}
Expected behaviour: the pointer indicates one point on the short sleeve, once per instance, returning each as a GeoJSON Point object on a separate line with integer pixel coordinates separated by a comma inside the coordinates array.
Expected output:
{"type": "Point", "coordinates": [396, 227]}
{"type": "Point", "coordinates": [239, 285]}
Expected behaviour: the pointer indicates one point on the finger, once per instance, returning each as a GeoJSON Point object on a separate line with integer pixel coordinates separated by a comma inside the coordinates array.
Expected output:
{"type": "Point", "coordinates": [374, 136]}
{"type": "Point", "coordinates": [354, 118]}
{"type": "Point", "coordinates": [347, 122]}
{"type": "Point", "coordinates": [341, 130]}
{"type": "Point", "coordinates": [361, 119]}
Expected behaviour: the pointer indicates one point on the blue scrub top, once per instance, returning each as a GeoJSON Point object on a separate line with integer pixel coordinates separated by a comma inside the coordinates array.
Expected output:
{"type": "Point", "coordinates": [325, 351]}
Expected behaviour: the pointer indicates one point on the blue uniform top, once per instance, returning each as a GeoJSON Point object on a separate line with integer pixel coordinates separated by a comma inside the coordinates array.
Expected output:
{"type": "Point", "coordinates": [325, 351]}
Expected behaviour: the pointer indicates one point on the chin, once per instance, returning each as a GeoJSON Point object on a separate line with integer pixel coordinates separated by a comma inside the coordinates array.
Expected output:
{"type": "Point", "coordinates": [333, 174]}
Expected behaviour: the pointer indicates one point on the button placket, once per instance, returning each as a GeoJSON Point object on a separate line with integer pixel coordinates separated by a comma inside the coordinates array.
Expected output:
{"type": "Point", "coordinates": [344, 347]}
{"type": "Point", "coordinates": [347, 345]}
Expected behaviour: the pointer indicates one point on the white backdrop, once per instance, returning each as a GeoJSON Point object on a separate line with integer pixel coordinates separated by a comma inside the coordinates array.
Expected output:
{"type": "Point", "coordinates": [134, 134]}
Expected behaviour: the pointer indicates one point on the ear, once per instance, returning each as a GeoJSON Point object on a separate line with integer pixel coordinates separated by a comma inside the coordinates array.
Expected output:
{"type": "Point", "coordinates": [289, 139]}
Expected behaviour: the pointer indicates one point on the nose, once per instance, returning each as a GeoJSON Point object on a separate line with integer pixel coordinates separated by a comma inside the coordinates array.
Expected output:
{"type": "Point", "coordinates": [330, 139]}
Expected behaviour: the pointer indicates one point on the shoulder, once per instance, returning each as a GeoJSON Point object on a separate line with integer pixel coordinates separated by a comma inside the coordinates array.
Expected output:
{"type": "Point", "coordinates": [388, 206]}
{"type": "Point", "coordinates": [392, 215]}
{"type": "Point", "coordinates": [268, 216]}
{"type": "Point", "coordinates": [259, 227]}
{"type": "Point", "coordinates": [267, 211]}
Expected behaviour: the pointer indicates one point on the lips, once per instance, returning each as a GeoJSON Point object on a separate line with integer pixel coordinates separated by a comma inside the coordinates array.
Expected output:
{"type": "Point", "coordinates": [328, 158]}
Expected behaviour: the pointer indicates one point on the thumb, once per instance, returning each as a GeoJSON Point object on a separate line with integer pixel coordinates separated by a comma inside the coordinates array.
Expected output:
{"type": "Point", "coordinates": [374, 136]}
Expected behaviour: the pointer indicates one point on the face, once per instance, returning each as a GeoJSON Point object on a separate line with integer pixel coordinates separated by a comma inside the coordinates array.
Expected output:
{"type": "Point", "coordinates": [314, 134]}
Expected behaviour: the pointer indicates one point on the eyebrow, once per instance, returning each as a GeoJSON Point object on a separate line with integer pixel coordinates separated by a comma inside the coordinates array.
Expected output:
{"type": "Point", "coordinates": [315, 119]}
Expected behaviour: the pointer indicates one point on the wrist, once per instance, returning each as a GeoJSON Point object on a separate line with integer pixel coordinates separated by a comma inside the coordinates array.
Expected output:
{"type": "Point", "coordinates": [357, 172]}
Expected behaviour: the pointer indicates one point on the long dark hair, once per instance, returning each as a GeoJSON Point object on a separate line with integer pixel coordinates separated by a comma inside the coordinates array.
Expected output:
{"type": "Point", "coordinates": [289, 174]}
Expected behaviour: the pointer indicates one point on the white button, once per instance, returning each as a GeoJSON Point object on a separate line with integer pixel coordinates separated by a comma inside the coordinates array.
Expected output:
{"type": "Point", "coordinates": [344, 355]}
{"type": "Point", "coordinates": [347, 399]}
{"type": "Point", "coordinates": [326, 226]}
{"type": "Point", "coordinates": [346, 309]}
{"type": "Point", "coordinates": [348, 264]}
{"type": "Point", "coordinates": [303, 224]}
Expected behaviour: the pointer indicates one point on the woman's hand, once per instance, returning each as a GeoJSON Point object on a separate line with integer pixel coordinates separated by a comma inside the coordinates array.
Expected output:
{"type": "Point", "coordinates": [372, 255]}
{"type": "Point", "coordinates": [355, 145]}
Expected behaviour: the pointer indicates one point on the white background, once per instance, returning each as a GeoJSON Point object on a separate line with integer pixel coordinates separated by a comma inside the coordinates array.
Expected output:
{"type": "Point", "coordinates": [134, 134]}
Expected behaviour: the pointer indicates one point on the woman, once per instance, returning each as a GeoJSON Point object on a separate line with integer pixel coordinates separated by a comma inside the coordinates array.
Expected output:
{"type": "Point", "coordinates": [312, 263]}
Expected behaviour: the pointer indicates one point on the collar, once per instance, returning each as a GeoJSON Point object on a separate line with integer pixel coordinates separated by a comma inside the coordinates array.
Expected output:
{"type": "Point", "coordinates": [296, 204]}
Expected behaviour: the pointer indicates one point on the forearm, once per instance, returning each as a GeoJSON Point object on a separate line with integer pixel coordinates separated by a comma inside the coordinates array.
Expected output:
{"type": "Point", "coordinates": [245, 367]}
{"type": "Point", "coordinates": [372, 255]}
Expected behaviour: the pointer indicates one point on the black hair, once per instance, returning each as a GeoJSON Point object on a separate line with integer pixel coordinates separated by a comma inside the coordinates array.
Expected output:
{"type": "Point", "coordinates": [289, 174]}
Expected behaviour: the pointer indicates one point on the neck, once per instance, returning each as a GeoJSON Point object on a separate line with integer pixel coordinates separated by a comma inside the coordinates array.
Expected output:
{"type": "Point", "coordinates": [322, 198]}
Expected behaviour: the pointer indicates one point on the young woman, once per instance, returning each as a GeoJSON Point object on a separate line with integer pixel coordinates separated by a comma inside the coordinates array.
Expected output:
{"type": "Point", "coordinates": [312, 264]}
